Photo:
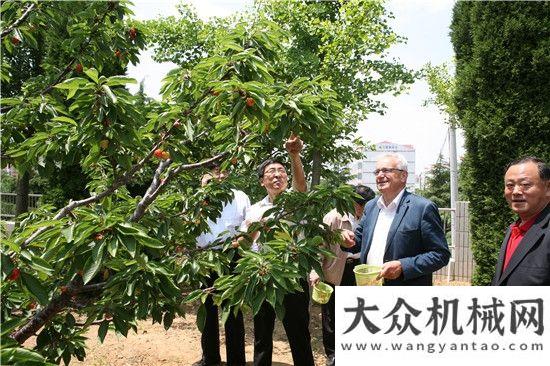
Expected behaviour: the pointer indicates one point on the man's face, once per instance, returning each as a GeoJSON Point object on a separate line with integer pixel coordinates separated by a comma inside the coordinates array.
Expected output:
{"type": "Point", "coordinates": [390, 180]}
{"type": "Point", "coordinates": [525, 191]}
{"type": "Point", "coordinates": [358, 209]}
{"type": "Point", "coordinates": [213, 174]}
{"type": "Point", "coordinates": [275, 179]}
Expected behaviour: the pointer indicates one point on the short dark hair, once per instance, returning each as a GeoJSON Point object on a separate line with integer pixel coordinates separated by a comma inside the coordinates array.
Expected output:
{"type": "Point", "coordinates": [365, 192]}
{"type": "Point", "coordinates": [544, 169]}
{"type": "Point", "coordinates": [265, 163]}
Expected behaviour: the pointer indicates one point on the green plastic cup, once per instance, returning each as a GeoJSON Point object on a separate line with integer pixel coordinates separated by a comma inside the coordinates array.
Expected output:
{"type": "Point", "coordinates": [365, 275]}
{"type": "Point", "coordinates": [321, 293]}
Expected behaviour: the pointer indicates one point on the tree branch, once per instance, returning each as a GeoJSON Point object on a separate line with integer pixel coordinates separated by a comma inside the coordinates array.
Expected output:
{"type": "Point", "coordinates": [156, 186]}
{"type": "Point", "coordinates": [148, 197]}
{"type": "Point", "coordinates": [117, 184]}
{"type": "Point", "coordinates": [16, 24]}
{"type": "Point", "coordinates": [45, 314]}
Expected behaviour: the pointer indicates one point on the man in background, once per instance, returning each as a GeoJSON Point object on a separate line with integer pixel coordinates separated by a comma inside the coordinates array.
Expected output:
{"type": "Point", "coordinates": [231, 217]}
{"type": "Point", "coordinates": [338, 271]}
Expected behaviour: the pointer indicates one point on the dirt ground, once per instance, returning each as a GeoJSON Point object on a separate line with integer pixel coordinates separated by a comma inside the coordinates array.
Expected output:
{"type": "Point", "coordinates": [180, 345]}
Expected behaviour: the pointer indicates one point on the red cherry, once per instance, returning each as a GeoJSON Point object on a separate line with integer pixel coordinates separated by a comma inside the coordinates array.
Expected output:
{"type": "Point", "coordinates": [132, 33]}
{"type": "Point", "coordinates": [78, 68]}
{"type": "Point", "coordinates": [158, 153]}
{"type": "Point", "coordinates": [14, 275]}
{"type": "Point", "coordinates": [250, 102]}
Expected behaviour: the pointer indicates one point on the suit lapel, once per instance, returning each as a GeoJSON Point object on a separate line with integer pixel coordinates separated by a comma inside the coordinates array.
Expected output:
{"type": "Point", "coordinates": [402, 209]}
{"type": "Point", "coordinates": [373, 217]}
{"type": "Point", "coordinates": [529, 240]}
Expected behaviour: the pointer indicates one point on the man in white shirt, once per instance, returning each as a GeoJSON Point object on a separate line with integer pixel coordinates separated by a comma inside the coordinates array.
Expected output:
{"type": "Point", "coordinates": [401, 232]}
{"type": "Point", "coordinates": [274, 178]}
{"type": "Point", "coordinates": [231, 217]}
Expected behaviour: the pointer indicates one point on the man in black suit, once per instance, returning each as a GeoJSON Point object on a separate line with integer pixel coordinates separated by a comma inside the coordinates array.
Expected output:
{"type": "Point", "coordinates": [524, 258]}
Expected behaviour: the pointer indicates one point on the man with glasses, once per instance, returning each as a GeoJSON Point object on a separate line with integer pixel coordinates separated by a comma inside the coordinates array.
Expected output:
{"type": "Point", "coordinates": [400, 231]}
{"type": "Point", "coordinates": [274, 178]}
{"type": "Point", "coordinates": [524, 258]}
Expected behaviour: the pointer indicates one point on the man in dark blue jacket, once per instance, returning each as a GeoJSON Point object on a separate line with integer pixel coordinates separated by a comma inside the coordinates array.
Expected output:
{"type": "Point", "coordinates": [399, 231]}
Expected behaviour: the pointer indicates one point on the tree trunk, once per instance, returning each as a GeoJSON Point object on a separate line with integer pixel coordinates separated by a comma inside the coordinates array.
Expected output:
{"type": "Point", "coordinates": [316, 168]}
{"type": "Point", "coordinates": [22, 191]}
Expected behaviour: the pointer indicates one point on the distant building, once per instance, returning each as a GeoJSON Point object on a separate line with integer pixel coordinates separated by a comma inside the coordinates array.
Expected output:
{"type": "Point", "coordinates": [363, 169]}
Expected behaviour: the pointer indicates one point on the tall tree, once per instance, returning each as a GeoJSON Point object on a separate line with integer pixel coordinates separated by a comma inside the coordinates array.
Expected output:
{"type": "Point", "coordinates": [41, 46]}
{"type": "Point", "coordinates": [502, 77]}
{"type": "Point", "coordinates": [343, 42]}
{"type": "Point", "coordinates": [112, 258]}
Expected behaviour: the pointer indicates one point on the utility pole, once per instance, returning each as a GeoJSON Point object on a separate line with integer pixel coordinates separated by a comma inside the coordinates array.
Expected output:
{"type": "Point", "coordinates": [454, 180]}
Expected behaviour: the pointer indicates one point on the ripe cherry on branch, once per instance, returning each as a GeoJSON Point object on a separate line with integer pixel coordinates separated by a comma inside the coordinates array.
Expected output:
{"type": "Point", "coordinates": [78, 68]}
{"type": "Point", "coordinates": [118, 54]}
{"type": "Point", "coordinates": [250, 102]}
{"type": "Point", "coordinates": [161, 154]}
{"type": "Point", "coordinates": [15, 41]}
{"type": "Point", "coordinates": [14, 275]}
{"type": "Point", "coordinates": [132, 33]}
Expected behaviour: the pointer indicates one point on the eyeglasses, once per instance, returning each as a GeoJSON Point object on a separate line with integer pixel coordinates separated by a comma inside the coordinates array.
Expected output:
{"type": "Point", "coordinates": [387, 170]}
{"type": "Point", "coordinates": [272, 171]}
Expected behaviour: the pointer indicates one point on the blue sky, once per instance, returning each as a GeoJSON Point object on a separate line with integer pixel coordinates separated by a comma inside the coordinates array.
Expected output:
{"type": "Point", "coordinates": [425, 24]}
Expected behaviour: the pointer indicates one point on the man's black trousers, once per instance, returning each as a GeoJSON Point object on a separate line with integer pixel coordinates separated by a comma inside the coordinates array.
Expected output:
{"type": "Point", "coordinates": [296, 324]}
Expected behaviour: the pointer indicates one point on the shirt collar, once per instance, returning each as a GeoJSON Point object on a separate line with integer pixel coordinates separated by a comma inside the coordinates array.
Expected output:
{"type": "Point", "coordinates": [393, 204]}
{"type": "Point", "coordinates": [523, 228]}
{"type": "Point", "coordinates": [266, 201]}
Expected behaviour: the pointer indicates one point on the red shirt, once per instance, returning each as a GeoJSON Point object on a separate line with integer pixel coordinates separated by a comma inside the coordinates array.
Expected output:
{"type": "Point", "coordinates": [516, 235]}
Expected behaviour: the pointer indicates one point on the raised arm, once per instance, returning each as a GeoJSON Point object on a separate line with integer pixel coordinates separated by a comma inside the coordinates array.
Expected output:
{"type": "Point", "coordinates": [294, 146]}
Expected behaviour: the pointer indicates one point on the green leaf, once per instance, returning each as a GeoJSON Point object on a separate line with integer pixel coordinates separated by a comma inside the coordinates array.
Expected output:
{"type": "Point", "coordinates": [109, 93]}
{"type": "Point", "coordinates": [35, 287]}
{"type": "Point", "coordinates": [68, 233]}
{"type": "Point", "coordinates": [65, 119]}
{"type": "Point", "coordinates": [201, 317]}
{"type": "Point", "coordinates": [93, 264]}
{"type": "Point", "coordinates": [150, 242]}
{"type": "Point", "coordinates": [194, 295]}
{"type": "Point", "coordinates": [102, 331]}
{"type": "Point", "coordinates": [120, 80]}
{"type": "Point", "coordinates": [168, 319]}
{"type": "Point", "coordinates": [112, 247]}
{"type": "Point", "coordinates": [40, 265]}
{"type": "Point", "coordinates": [130, 244]}
{"type": "Point", "coordinates": [92, 74]}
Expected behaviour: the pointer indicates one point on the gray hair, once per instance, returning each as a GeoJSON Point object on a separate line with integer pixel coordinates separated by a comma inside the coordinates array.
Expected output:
{"type": "Point", "coordinates": [401, 161]}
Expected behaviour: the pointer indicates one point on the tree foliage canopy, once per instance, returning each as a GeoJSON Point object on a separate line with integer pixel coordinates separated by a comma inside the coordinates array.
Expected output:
{"type": "Point", "coordinates": [112, 258]}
